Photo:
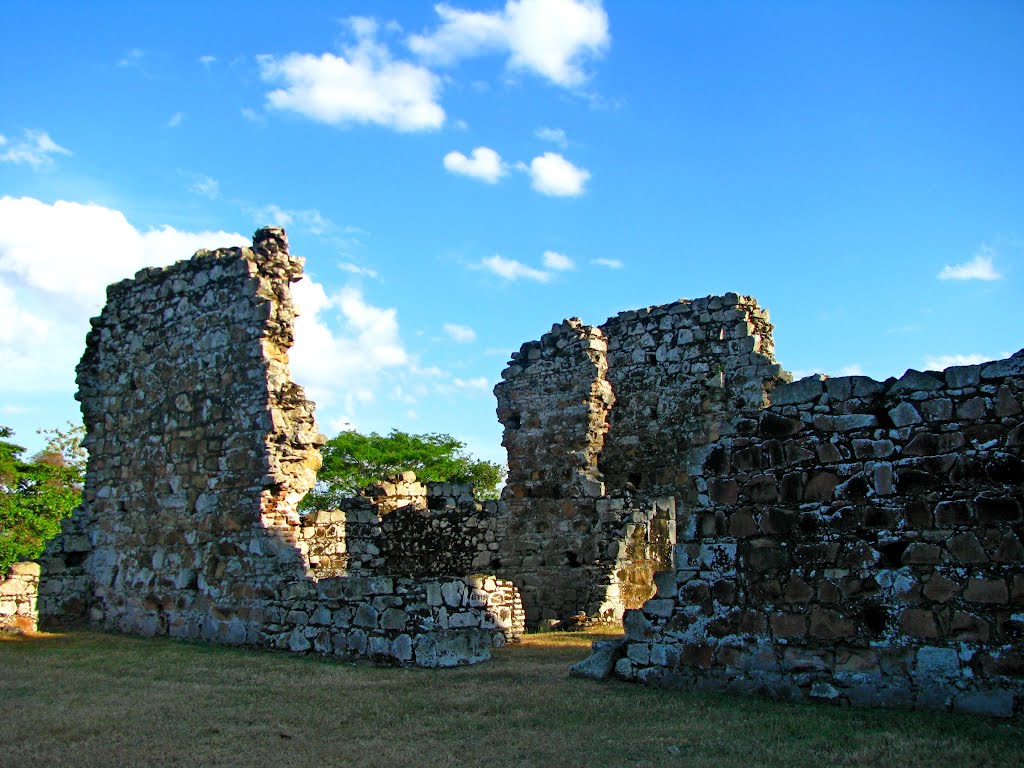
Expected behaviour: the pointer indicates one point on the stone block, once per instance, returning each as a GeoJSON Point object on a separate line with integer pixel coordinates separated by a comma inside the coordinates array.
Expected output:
{"type": "Point", "coordinates": [991, 591]}
{"type": "Point", "coordinates": [829, 624]}
{"type": "Point", "coordinates": [788, 625]}
{"type": "Point", "coordinates": [971, 409]}
{"type": "Point", "coordinates": [917, 622]}
{"type": "Point", "coordinates": [991, 702]}
{"type": "Point", "coordinates": [600, 664]}
{"type": "Point", "coordinates": [940, 589]}
{"type": "Point", "coordinates": [914, 381]}
{"type": "Point", "coordinates": [904, 415]}
{"type": "Point", "coordinates": [966, 548]}
{"type": "Point", "coordinates": [803, 391]}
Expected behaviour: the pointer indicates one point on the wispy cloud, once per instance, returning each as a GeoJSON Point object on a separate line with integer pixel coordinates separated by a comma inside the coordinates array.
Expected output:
{"type": "Point", "coordinates": [355, 269]}
{"type": "Point", "coordinates": [551, 38]}
{"type": "Point", "coordinates": [942, 362]}
{"type": "Point", "coordinates": [462, 334]}
{"type": "Point", "coordinates": [478, 383]}
{"type": "Point", "coordinates": [558, 261]}
{"type": "Point", "coordinates": [309, 219]}
{"type": "Point", "coordinates": [362, 85]}
{"type": "Point", "coordinates": [35, 148]}
{"type": "Point", "coordinates": [175, 120]}
{"type": "Point", "coordinates": [207, 186]}
{"type": "Point", "coordinates": [510, 269]}
{"type": "Point", "coordinates": [609, 263]}
{"type": "Point", "coordinates": [978, 268]}
{"type": "Point", "coordinates": [553, 135]}
{"type": "Point", "coordinates": [207, 60]}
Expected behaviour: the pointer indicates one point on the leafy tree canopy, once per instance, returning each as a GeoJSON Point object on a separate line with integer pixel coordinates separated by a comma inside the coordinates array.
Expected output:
{"type": "Point", "coordinates": [35, 496]}
{"type": "Point", "coordinates": [351, 461]}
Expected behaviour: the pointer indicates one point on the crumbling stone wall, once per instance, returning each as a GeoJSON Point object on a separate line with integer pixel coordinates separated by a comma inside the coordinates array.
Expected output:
{"type": "Point", "coordinates": [840, 539]}
{"type": "Point", "coordinates": [405, 527]}
{"type": "Point", "coordinates": [19, 591]}
{"type": "Point", "coordinates": [200, 448]}
{"type": "Point", "coordinates": [600, 424]}
{"type": "Point", "coordinates": [860, 543]}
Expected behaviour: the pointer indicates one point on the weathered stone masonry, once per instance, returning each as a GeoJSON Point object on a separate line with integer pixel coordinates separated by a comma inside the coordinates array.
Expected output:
{"type": "Point", "coordinates": [837, 539]}
{"type": "Point", "coordinates": [200, 447]}
{"type": "Point", "coordinates": [599, 425]}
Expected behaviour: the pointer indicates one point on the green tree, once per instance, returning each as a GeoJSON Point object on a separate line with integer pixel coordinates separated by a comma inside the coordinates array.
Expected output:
{"type": "Point", "coordinates": [351, 461]}
{"type": "Point", "coordinates": [35, 496]}
{"type": "Point", "coordinates": [67, 443]}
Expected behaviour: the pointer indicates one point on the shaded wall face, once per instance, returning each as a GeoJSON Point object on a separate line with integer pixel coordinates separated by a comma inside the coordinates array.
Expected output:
{"type": "Point", "coordinates": [553, 404]}
{"type": "Point", "coordinates": [183, 384]}
{"type": "Point", "coordinates": [599, 425]}
{"type": "Point", "coordinates": [683, 374]}
{"type": "Point", "coordinates": [863, 544]}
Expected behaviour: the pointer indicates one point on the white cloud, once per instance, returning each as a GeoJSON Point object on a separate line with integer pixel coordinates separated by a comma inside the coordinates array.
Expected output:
{"type": "Point", "coordinates": [479, 383]}
{"type": "Point", "coordinates": [554, 135]}
{"type": "Point", "coordinates": [551, 174]}
{"type": "Point", "coordinates": [942, 362]}
{"type": "Point", "coordinates": [978, 268]}
{"type": "Point", "coordinates": [252, 115]}
{"type": "Point", "coordinates": [558, 261]}
{"type": "Point", "coordinates": [36, 148]}
{"type": "Point", "coordinates": [309, 219]}
{"type": "Point", "coordinates": [484, 164]}
{"type": "Point", "coordinates": [343, 345]}
{"type": "Point", "coordinates": [510, 269]}
{"type": "Point", "coordinates": [610, 263]}
{"type": "Point", "coordinates": [460, 333]}
{"type": "Point", "coordinates": [55, 264]}
{"type": "Point", "coordinates": [550, 38]}
{"type": "Point", "coordinates": [175, 120]}
{"type": "Point", "coordinates": [207, 60]}
{"type": "Point", "coordinates": [362, 85]}
{"type": "Point", "coordinates": [355, 269]}
{"type": "Point", "coordinates": [205, 185]}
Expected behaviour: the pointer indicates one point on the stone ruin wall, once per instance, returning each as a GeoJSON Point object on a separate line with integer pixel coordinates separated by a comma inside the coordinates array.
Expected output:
{"type": "Point", "coordinates": [836, 539]}
{"type": "Point", "coordinates": [599, 424]}
{"type": "Point", "coordinates": [200, 448]}
{"type": "Point", "coordinates": [19, 593]}
{"type": "Point", "coordinates": [858, 542]}
{"type": "Point", "coordinates": [402, 526]}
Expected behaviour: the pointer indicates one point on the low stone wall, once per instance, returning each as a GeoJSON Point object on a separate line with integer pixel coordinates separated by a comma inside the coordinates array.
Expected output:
{"type": "Point", "coordinates": [19, 591]}
{"type": "Point", "coordinates": [391, 620]}
{"type": "Point", "coordinates": [441, 530]}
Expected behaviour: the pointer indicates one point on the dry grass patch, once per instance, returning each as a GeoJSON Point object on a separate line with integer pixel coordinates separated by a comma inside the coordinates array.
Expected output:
{"type": "Point", "coordinates": [92, 699]}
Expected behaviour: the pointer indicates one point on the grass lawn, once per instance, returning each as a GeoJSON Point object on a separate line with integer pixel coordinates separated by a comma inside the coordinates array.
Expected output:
{"type": "Point", "coordinates": [92, 699]}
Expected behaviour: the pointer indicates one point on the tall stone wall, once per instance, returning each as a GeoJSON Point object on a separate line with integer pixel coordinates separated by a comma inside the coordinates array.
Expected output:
{"type": "Point", "coordinates": [600, 426]}
{"type": "Point", "coordinates": [554, 403]}
{"type": "Point", "coordinates": [862, 545]}
{"type": "Point", "coordinates": [200, 448]}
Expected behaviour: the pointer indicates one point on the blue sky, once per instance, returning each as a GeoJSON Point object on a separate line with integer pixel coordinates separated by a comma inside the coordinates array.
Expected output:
{"type": "Point", "coordinates": [461, 176]}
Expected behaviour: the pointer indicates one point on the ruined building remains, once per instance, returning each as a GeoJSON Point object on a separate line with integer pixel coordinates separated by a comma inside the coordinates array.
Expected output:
{"type": "Point", "coordinates": [200, 448]}
{"type": "Point", "coordinates": [834, 539]}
